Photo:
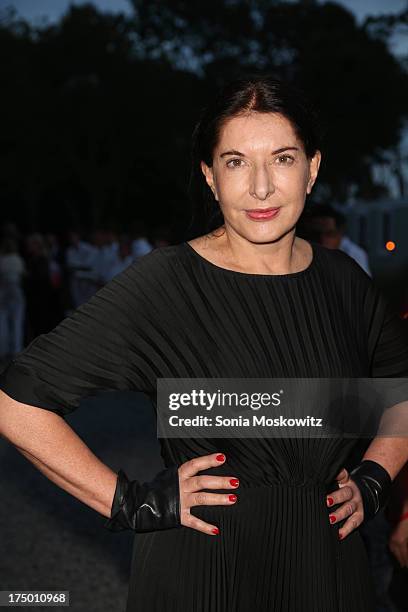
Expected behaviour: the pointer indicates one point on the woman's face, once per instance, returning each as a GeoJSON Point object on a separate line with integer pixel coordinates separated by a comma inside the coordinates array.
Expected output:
{"type": "Point", "coordinates": [259, 163]}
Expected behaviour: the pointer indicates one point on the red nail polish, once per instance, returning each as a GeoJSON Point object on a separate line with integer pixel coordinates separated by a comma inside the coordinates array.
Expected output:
{"type": "Point", "coordinates": [332, 518]}
{"type": "Point", "coordinates": [220, 457]}
{"type": "Point", "coordinates": [234, 482]}
{"type": "Point", "coordinates": [215, 530]}
{"type": "Point", "coordinates": [340, 536]}
{"type": "Point", "coordinates": [232, 497]}
{"type": "Point", "coordinates": [330, 501]}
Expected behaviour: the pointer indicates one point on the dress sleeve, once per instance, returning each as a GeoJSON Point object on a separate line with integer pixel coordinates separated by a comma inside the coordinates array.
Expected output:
{"type": "Point", "coordinates": [387, 337]}
{"type": "Point", "coordinates": [102, 346]}
{"type": "Point", "coordinates": [385, 333]}
{"type": "Point", "coordinates": [384, 390]}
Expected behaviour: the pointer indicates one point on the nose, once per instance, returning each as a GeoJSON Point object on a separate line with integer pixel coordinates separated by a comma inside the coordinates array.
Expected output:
{"type": "Point", "coordinates": [261, 186]}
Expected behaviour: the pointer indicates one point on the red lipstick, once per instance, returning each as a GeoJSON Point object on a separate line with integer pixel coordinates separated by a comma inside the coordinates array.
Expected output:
{"type": "Point", "coordinates": [261, 214]}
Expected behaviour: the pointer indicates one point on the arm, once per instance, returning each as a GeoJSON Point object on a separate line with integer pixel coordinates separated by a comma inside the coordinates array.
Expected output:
{"type": "Point", "coordinates": [390, 453]}
{"type": "Point", "coordinates": [108, 343]}
{"type": "Point", "coordinates": [398, 516]}
{"type": "Point", "coordinates": [398, 504]}
{"type": "Point", "coordinates": [387, 349]}
{"type": "Point", "coordinates": [45, 439]}
{"type": "Point", "coordinates": [52, 446]}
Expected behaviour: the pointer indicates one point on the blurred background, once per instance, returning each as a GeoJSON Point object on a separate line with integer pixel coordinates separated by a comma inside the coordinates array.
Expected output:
{"type": "Point", "coordinates": [98, 105]}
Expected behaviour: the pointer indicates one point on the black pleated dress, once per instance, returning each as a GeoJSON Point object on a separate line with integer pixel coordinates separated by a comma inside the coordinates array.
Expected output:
{"type": "Point", "coordinates": [172, 313]}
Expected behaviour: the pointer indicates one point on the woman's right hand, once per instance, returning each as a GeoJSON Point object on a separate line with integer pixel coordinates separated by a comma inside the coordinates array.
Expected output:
{"type": "Point", "coordinates": [191, 494]}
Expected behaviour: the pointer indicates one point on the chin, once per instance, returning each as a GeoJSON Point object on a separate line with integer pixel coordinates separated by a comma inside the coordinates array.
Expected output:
{"type": "Point", "coordinates": [265, 237]}
{"type": "Point", "coordinates": [267, 233]}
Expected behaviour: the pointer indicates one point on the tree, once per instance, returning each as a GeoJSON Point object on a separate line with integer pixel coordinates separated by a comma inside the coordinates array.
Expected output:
{"type": "Point", "coordinates": [99, 108]}
{"type": "Point", "coordinates": [350, 74]}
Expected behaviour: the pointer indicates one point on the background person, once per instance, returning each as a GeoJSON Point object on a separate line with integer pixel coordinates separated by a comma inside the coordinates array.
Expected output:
{"type": "Point", "coordinates": [12, 299]}
{"type": "Point", "coordinates": [328, 226]}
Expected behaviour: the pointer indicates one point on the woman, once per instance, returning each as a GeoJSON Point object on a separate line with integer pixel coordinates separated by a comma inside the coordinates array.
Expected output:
{"type": "Point", "coordinates": [229, 524]}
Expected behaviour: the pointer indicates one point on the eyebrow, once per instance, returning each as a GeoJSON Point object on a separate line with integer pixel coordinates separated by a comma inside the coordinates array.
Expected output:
{"type": "Point", "coordinates": [233, 152]}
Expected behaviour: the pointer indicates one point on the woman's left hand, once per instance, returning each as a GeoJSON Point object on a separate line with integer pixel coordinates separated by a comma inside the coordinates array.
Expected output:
{"type": "Point", "coordinates": [349, 496]}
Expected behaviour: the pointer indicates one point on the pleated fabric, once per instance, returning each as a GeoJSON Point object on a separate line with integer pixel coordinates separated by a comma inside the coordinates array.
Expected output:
{"type": "Point", "coordinates": [172, 313]}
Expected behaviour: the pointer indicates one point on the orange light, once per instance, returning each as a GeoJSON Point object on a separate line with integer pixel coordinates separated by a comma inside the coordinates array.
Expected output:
{"type": "Point", "coordinates": [390, 245]}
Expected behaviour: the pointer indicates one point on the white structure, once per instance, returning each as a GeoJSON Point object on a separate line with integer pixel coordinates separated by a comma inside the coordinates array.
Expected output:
{"type": "Point", "coordinates": [374, 224]}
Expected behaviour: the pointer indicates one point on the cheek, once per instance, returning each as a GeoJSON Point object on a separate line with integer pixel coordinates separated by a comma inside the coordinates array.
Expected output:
{"type": "Point", "coordinates": [232, 182]}
{"type": "Point", "coordinates": [293, 183]}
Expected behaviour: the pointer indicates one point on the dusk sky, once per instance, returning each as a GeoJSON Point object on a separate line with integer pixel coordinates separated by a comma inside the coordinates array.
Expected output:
{"type": "Point", "coordinates": [37, 10]}
{"type": "Point", "coordinates": [52, 9]}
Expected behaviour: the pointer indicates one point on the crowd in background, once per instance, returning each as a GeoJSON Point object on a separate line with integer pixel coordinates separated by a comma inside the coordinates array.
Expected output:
{"type": "Point", "coordinates": [45, 276]}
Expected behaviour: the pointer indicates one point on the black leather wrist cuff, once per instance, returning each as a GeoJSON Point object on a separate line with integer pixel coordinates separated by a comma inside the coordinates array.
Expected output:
{"type": "Point", "coordinates": [145, 507]}
{"type": "Point", "coordinates": [374, 483]}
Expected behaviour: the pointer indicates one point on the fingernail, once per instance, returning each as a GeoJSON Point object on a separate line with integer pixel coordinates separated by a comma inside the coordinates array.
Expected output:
{"type": "Point", "coordinates": [233, 498]}
{"type": "Point", "coordinates": [332, 518]}
{"type": "Point", "coordinates": [220, 457]}
{"type": "Point", "coordinates": [330, 501]}
{"type": "Point", "coordinates": [340, 536]}
{"type": "Point", "coordinates": [215, 530]}
{"type": "Point", "coordinates": [234, 482]}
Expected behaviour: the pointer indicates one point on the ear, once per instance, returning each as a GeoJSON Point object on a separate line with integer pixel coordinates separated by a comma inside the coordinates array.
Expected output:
{"type": "Point", "coordinates": [209, 177]}
{"type": "Point", "coordinates": [313, 170]}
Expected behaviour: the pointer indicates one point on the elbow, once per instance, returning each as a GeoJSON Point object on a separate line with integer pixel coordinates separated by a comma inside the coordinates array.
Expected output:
{"type": "Point", "coordinates": [21, 423]}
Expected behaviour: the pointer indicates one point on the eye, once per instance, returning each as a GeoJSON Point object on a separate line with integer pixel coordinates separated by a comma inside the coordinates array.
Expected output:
{"type": "Point", "coordinates": [285, 160]}
{"type": "Point", "coordinates": [231, 164]}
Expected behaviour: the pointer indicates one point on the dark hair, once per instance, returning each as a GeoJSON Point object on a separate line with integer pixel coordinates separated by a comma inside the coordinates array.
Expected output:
{"type": "Point", "coordinates": [263, 94]}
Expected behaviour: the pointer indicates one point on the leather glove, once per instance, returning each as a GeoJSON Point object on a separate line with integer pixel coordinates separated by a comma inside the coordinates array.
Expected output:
{"type": "Point", "coordinates": [374, 483]}
{"type": "Point", "coordinates": [145, 507]}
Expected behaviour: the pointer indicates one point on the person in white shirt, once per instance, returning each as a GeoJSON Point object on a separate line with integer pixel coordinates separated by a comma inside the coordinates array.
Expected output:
{"type": "Point", "coordinates": [327, 226]}
{"type": "Point", "coordinates": [108, 255]}
{"type": "Point", "coordinates": [356, 252]}
{"type": "Point", "coordinates": [12, 299]}
{"type": "Point", "coordinates": [140, 245]}
{"type": "Point", "coordinates": [123, 259]}
{"type": "Point", "coordinates": [80, 260]}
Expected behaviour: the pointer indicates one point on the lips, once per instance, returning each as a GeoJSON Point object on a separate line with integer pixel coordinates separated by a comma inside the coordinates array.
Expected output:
{"type": "Point", "coordinates": [262, 213]}
{"type": "Point", "coordinates": [256, 210]}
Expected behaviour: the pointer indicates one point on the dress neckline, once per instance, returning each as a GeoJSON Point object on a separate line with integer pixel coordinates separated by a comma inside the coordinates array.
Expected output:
{"type": "Point", "coordinates": [228, 271]}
